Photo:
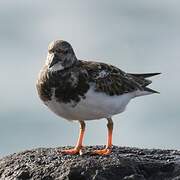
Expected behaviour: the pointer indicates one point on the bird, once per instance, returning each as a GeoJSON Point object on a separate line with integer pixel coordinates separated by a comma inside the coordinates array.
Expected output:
{"type": "Point", "coordinates": [79, 90]}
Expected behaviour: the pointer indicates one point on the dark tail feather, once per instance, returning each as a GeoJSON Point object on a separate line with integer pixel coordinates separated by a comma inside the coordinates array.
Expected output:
{"type": "Point", "coordinates": [150, 90]}
{"type": "Point", "coordinates": [145, 75]}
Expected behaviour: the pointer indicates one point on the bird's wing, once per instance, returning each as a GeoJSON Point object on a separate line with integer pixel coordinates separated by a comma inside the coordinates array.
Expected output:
{"type": "Point", "coordinates": [111, 80]}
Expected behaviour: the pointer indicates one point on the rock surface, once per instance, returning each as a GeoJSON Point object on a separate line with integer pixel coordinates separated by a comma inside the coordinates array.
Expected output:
{"type": "Point", "coordinates": [124, 163]}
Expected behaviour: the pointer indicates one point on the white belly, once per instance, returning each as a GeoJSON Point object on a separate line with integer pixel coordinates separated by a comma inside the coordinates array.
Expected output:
{"type": "Point", "coordinates": [96, 105]}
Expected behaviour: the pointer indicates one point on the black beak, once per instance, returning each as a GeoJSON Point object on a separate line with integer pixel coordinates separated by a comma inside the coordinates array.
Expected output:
{"type": "Point", "coordinates": [54, 61]}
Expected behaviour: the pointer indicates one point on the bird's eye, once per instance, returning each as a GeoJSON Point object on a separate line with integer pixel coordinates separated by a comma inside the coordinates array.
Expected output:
{"type": "Point", "coordinates": [50, 51]}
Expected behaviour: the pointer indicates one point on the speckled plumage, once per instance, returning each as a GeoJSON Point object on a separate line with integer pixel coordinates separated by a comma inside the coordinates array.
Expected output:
{"type": "Point", "coordinates": [72, 83]}
{"type": "Point", "coordinates": [67, 80]}
{"type": "Point", "coordinates": [85, 90]}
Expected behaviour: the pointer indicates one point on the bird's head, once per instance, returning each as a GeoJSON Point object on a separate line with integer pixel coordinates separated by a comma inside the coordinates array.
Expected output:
{"type": "Point", "coordinates": [60, 55]}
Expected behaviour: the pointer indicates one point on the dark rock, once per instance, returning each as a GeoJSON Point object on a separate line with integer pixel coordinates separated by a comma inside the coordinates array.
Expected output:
{"type": "Point", "coordinates": [124, 163]}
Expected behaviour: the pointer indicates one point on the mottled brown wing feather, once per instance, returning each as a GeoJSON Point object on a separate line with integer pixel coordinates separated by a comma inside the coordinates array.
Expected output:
{"type": "Point", "coordinates": [111, 80]}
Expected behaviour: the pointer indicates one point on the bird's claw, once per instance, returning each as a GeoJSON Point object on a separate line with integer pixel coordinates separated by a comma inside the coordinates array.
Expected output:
{"type": "Point", "coordinates": [73, 151]}
{"type": "Point", "coordinates": [105, 151]}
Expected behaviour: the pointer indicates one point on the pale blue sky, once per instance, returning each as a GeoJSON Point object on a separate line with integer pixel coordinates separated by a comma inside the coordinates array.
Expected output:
{"type": "Point", "coordinates": [137, 36]}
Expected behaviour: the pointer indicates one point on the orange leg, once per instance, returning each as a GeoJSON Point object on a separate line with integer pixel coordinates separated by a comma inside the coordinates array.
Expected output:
{"type": "Point", "coordinates": [108, 147]}
{"type": "Point", "coordinates": [78, 147]}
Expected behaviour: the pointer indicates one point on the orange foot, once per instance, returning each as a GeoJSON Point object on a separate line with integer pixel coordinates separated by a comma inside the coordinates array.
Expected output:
{"type": "Point", "coordinates": [105, 151]}
{"type": "Point", "coordinates": [72, 151]}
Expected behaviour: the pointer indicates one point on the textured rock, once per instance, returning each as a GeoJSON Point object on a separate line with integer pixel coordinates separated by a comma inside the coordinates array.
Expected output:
{"type": "Point", "coordinates": [124, 163]}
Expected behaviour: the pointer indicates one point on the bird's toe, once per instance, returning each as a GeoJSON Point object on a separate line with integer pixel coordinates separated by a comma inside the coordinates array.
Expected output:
{"type": "Point", "coordinates": [72, 151]}
{"type": "Point", "coordinates": [105, 151]}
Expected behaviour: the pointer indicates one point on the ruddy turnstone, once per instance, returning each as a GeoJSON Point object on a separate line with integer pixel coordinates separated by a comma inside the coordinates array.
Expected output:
{"type": "Point", "coordinates": [84, 90]}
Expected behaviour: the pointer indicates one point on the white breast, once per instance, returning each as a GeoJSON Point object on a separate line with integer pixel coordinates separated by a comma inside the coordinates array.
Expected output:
{"type": "Point", "coordinates": [96, 105]}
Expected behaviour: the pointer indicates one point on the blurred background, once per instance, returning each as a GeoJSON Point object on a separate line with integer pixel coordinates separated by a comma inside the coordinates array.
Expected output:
{"type": "Point", "coordinates": [137, 36]}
